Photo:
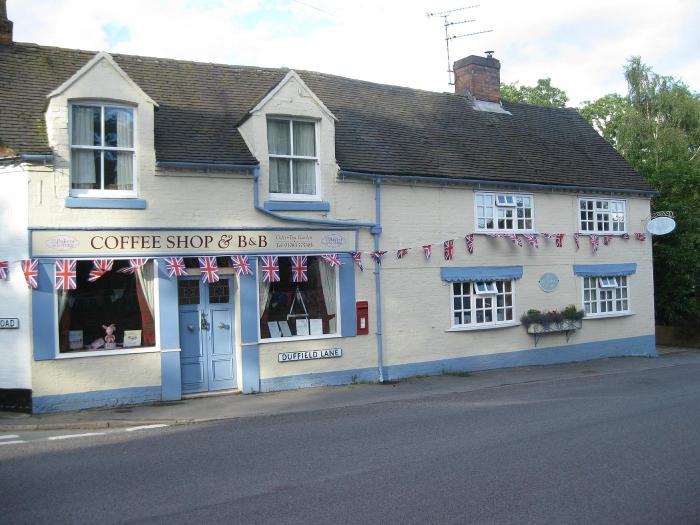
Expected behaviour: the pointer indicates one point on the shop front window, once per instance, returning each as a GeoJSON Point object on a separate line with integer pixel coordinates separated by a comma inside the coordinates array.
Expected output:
{"type": "Point", "coordinates": [300, 309]}
{"type": "Point", "coordinates": [115, 312]}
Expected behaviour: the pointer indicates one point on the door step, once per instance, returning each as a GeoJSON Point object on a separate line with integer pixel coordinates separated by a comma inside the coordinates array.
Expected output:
{"type": "Point", "coordinates": [212, 393]}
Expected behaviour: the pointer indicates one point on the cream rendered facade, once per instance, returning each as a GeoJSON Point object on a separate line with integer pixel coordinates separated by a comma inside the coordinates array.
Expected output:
{"type": "Point", "coordinates": [415, 303]}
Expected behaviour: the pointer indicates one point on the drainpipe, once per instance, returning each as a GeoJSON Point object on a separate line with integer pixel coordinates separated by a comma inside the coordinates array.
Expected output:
{"type": "Point", "coordinates": [375, 228]}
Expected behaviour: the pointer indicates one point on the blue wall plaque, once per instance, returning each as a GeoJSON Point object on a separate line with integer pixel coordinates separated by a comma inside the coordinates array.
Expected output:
{"type": "Point", "coordinates": [549, 281]}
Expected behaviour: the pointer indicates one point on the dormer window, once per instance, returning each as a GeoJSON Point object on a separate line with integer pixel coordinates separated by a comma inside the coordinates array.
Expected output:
{"type": "Point", "coordinates": [103, 156]}
{"type": "Point", "coordinates": [293, 158]}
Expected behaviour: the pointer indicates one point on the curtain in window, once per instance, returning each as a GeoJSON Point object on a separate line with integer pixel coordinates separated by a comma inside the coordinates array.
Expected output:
{"type": "Point", "coordinates": [146, 296]}
{"type": "Point", "coordinates": [305, 176]}
{"type": "Point", "coordinates": [264, 289]}
{"type": "Point", "coordinates": [328, 285]}
{"type": "Point", "coordinates": [279, 176]}
{"type": "Point", "coordinates": [278, 137]}
{"type": "Point", "coordinates": [305, 139]}
{"type": "Point", "coordinates": [83, 161]}
{"type": "Point", "coordinates": [125, 160]}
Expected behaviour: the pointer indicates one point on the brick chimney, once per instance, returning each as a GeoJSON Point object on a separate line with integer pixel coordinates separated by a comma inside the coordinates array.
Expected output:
{"type": "Point", "coordinates": [479, 76]}
{"type": "Point", "coordinates": [5, 25]}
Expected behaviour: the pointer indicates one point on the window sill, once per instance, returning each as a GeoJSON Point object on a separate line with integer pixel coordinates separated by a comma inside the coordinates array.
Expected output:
{"type": "Point", "coordinates": [507, 232]}
{"type": "Point", "coordinates": [104, 353]}
{"type": "Point", "coordinates": [106, 203]}
{"type": "Point", "coordinates": [300, 338]}
{"type": "Point", "coordinates": [608, 316]}
{"type": "Point", "coordinates": [289, 205]}
{"type": "Point", "coordinates": [483, 327]}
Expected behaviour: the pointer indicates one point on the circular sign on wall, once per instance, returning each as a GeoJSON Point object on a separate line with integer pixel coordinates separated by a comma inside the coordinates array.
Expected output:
{"type": "Point", "coordinates": [549, 281]}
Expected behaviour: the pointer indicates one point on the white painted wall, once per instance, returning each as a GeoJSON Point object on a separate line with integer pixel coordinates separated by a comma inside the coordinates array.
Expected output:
{"type": "Point", "coordinates": [15, 345]}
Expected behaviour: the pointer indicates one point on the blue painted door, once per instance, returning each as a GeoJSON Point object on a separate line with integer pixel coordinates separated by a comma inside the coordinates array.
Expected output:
{"type": "Point", "coordinates": [207, 359]}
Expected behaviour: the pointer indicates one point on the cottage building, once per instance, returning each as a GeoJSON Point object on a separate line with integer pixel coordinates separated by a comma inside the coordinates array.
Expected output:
{"type": "Point", "coordinates": [360, 231]}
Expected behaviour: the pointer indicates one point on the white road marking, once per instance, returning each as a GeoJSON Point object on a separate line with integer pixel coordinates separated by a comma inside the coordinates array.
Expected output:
{"type": "Point", "coordinates": [145, 427]}
{"type": "Point", "coordinates": [12, 442]}
{"type": "Point", "coordinates": [68, 436]}
{"type": "Point", "coordinates": [9, 436]}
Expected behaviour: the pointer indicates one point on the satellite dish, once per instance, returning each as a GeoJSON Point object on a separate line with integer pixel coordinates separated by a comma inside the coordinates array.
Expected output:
{"type": "Point", "coordinates": [661, 226]}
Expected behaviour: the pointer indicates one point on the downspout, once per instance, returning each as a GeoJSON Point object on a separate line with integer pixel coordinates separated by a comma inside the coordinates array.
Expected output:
{"type": "Point", "coordinates": [375, 228]}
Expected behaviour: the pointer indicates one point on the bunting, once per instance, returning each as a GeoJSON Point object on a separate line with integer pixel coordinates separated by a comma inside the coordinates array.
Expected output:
{"type": "Point", "coordinates": [299, 269]}
{"type": "Point", "coordinates": [625, 236]}
{"type": "Point", "coordinates": [427, 251]}
{"type": "Point", "coordinates": [377, 256]}
{"type": "Point", "coordinates": [515, 240]}
{"type": "Point", "coordinates": [134, 264]}
{"type": "Point", "coordinates": [531, 239]}
{"type": "Point", "coordinates": [65, 274]}
{"type": "Point", "coordinates": [469, 239]}
{"type": "Point", "coordinates": [595, 242]}
{"type": "Point", "coordinates": [640, 236]}
{"type": "Point", "coordinates": [448, 249]}
{"type": "Point", "coordinates": [332, 259]}
{"type": "Point", "coordinates": [607, 239]}
{"type": "Point", "coordinates": [209, 269]}
{"type": "Point", "coordinates": [357, 259]}
{"type": "Point", "coordinates": [241, 265]}
{"type": "Point", "coordinates": [559, 240]}
{"type": "Point", "coordinates": [270, 268]}
{"type": "Point", "coordinates": [401, 253]}
{"type": "Point", "coordinates": [4, 270]}
{"type": "Point", "coordinates": [99, 268]}
{"type": "Point", "coordinates": [31, 272]}
{"type": "Point", "coordinates": [576, 237]}
{"type": "Point", "coordinates": [175, 267]}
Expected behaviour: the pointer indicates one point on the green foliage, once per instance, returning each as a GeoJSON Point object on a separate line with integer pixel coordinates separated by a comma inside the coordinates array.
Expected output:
{"type": "Point", "coordinates": [543, 94]}
{"type": "Point", "coordinates": [656, 127]}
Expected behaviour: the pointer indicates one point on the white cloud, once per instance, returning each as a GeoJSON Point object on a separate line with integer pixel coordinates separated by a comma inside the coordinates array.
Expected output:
{"type": "Point", "coordinates": [581, 45]}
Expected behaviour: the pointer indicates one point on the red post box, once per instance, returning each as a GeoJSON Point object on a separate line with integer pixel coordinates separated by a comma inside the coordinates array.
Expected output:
{"type": "Point", "coordinates": [362, 318]}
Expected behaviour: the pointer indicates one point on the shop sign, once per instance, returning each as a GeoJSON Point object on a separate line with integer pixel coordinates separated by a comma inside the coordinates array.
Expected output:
{"type": "Point", "coordinates": [8, 323]}
{"type": "Point", "coordinates": [86, 243]}
{"type": "Point", "coordinates": [326, 353]}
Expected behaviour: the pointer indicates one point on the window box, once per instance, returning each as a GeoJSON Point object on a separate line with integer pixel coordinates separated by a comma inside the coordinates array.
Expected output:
{"type": "Point", "coordinates": [539, 323]}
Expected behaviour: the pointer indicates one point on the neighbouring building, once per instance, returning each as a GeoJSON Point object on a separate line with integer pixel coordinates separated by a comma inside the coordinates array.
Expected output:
{"type": "Point", "coordinates": [195, 227]}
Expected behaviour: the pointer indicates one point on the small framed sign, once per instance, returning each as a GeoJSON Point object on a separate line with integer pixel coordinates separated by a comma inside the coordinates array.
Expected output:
{"type": "Point", "coordinates": [549, 282]}
{"type": "Point", "coordinates": [75, 339]}
{"type": "Point", "coordinates": [8, 323]}
{"type": "Point", "coordinates": [132, 338]}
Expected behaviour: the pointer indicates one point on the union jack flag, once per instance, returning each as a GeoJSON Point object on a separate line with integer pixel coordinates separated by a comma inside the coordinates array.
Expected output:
{"type": "Point", "coordinates": [401, 253]}
{"type": "Point", "coordinates": [559, 240]}
{"type": "Point", "coordinates": [448, 249]}
{"type": "Point", "coordinates": [270, 268]}
{"type": "Point", "coordinates": [640, 236]}
{"type": "Point", "coordinates": [299, 269]}
{"type": "Point", "coordinates": [332, 259]}
{"type": "Point", "coordinates": [357, 258]}
{"type": "Point", "coordinates": [134, 264]}
{"type": "Point", "coordinates": [607, 239]}
{"type": "Point", "coordinates": [377, 256]}
{"type": "Point", "coordinates": [515, 240]}
{"type": "Point", "coordinates": [595, 242]}
{"type": "Point", "coordinates": [469, 239]}
{"type": "Point", "coordinates": [31, 272]}
{"type": "Point", "coordinates": [241, 265]}
{"type": "Point", "coordinates": [99, 268]}
{"type": "Point", "coordinates": [531, 239]}
{"type": "Point", "coordinates": [548, 235]}
{"type": "Point", "coordinates": [65, 274]}
{"type": "Point", "coordinates": [4, 269]}
{"type": "Point", "coordinates": [209, 269]}
{"type": "Point", "coordinates": [427, 251]}
{"type": "Point", "coordinates": [576, 236]}
{"type": "Point", "coordinates": [175, 267]}
{"type": "Point", "coordinates": [626, 236]}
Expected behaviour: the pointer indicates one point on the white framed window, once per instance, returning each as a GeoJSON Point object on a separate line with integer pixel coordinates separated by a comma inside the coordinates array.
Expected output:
{"type": "Point", "coordinates": [293, 153]}
{"type": "Point", "coordinates": [605, 295]}
{"type": "Point", "coordinates": [476, 304]}
{"type": "Point", "coordinates": [513, 212]}
{"type": "Point", "coordinates": [602, 215]}
{"type": "Point", "coordinates": [103, 152]}
{"type": "Point", "coordinates": [300, 310]}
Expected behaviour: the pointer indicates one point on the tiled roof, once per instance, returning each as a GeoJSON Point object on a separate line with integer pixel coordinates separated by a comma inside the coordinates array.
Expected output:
{"type": "Point", "coordinates": [380, 129]}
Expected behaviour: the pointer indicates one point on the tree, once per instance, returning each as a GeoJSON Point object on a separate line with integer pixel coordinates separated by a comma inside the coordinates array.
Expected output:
{"type": "Point", "coordinates": [656, 127]}
{"type": "Point", "coordinates": [543, 94]}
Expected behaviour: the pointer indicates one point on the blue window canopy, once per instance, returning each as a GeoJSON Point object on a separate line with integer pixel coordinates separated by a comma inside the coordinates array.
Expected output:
{"type": "Point", "coordinates": [481, 273]}
{"type": "Point", "coordinates": [604, 270]}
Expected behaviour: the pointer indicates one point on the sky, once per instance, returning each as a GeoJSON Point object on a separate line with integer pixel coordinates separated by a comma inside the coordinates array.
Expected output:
{"type": "Point", "coordinates": [581, 45]}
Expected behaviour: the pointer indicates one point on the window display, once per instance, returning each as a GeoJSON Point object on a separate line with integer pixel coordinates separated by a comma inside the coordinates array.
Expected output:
{"type": "Point", "coordinates": [113, 312]}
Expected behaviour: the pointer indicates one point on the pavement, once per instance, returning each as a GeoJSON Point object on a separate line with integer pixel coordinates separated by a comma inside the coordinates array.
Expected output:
{"type": "Point", "coordinates": [233, 406]}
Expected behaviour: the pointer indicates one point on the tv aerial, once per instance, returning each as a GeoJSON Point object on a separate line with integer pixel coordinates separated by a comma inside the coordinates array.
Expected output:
{"type": "Point", "coordinates": [445, 15]}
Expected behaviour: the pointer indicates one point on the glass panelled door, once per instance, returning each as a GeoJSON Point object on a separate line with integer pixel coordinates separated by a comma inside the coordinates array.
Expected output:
{"type": "Point", "coordinates": [207, 360]}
